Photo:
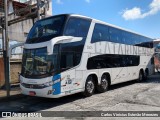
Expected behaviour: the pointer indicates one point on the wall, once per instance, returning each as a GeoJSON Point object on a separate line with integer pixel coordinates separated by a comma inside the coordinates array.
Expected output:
{"type": "Point", "coordinates": [15, 68]}
{"type": "Point", "coordinates": [19, 30]}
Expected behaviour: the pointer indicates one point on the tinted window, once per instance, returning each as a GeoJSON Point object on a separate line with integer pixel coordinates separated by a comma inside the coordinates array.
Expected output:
{"type": "Point", "coordinates": [67, 60]}
{"type": "Point", "coordinates": [107, 33]}
{"type": "Point", "coordinates": [128, 38]}
{"type": "Point", "coordinates": [100, 33]}
{"type": "Point", "coordinates": [77, 27]}
{"type": "Point", "coordinates": [46, 29]}
{"type": "Point", "coordinates": [115, 35]}
{"type": "Point", "coordinates": [112, 61]}
{"type": "Point", "coordinates": [71, 52]}
{"type": "Point", "coordinates": [152, 61]}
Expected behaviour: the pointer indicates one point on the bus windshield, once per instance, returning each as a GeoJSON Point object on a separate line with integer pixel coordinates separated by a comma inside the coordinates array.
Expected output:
{"type": "Point", "coordinates": [36, 63]}
{"type": "Point", "coordinates": [47, 28]}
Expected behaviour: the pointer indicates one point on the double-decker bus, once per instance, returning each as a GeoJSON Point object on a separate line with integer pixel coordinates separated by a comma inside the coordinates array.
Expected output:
{"type": "Point", "coordinates": [69, 53]}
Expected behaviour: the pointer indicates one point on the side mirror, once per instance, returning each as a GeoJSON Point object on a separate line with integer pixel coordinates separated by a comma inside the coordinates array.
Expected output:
{"type": "Point", "coordinates": [19, 73]}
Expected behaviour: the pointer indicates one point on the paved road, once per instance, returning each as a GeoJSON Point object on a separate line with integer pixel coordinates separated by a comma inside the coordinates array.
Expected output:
{"type": "Point", "coordinates": [129, 96]}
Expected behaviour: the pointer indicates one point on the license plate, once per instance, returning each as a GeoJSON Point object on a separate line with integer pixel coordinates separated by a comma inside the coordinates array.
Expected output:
{"type": "Point", "coordinates": [32, 93]}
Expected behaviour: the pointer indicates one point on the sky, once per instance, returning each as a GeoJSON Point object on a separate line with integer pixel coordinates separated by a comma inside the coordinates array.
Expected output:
{"type": "Point", "coordinates": [141, 16]}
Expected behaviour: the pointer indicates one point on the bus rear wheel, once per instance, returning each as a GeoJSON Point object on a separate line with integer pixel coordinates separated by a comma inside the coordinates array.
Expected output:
{"type": "Point", "coordinates": [141, 76]}
{"type": "Point", "coordinates": [89, 87]}
{"type": "Point", "coordinates": [103, 87]}
{"type": "Point", "coordinates": [146, 74]}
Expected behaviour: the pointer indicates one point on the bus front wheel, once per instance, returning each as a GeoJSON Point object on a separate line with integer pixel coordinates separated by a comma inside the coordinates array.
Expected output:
{"type": "Point", "coordinates": [89, 87]}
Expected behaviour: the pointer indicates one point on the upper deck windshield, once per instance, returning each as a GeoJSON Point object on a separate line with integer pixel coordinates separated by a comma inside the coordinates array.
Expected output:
{"type": "Point", "coordinates": [46, 29]}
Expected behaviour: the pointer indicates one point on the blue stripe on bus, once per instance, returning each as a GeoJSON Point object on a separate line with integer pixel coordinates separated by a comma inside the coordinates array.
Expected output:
{"type": "Point", "coordinates": [56, 87]}
{"type": "Point", "coordinates": [56, 77]}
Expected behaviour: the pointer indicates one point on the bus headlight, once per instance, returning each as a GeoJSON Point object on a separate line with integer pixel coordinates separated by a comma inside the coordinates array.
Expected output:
{"type": "Point", "coordinates": [48, 84]}
{"type": "Point", "coordinates": [40, 86]}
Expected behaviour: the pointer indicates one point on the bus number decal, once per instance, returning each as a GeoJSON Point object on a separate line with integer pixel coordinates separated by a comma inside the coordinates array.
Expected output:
{"type": "Point", "coordinates": [89, 47]}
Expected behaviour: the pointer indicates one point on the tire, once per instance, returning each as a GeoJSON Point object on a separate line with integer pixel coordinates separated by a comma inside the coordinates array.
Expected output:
{"type": "Point", "coordinates": [146, 75]}
{"type": "Point", "coordinates": [89, 87]}
{"type": "Point", "coordinates": [103, 87]}
{"type": "Point", "coordinates": [141, 77]}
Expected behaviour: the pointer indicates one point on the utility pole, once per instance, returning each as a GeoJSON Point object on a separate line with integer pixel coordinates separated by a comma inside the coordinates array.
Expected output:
{"type": "Point", "coordinates": [38, 8]}
{"type": "Point", "coordinates": [3, 32]}
{"type": "Point", "coordinates": [5, 51]}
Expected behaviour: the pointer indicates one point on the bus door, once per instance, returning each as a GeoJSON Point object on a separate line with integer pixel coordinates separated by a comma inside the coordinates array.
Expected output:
{"type": "Point", "coordinates": [124, 68]}
{"type": "Point", "coordinates": [67, 73]}
{"type": "Point", "coordinates": [119, 69]}
{"type": "Point", "coordinates": [133, 67]}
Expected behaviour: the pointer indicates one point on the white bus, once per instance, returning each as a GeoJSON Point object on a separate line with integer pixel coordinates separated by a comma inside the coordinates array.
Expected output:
{"type": "Point", "coordinates": [69, 53]}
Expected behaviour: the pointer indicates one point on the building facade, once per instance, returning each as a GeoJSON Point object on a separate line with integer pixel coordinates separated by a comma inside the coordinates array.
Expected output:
{"type": "Point", "coordinates": [18, 31]}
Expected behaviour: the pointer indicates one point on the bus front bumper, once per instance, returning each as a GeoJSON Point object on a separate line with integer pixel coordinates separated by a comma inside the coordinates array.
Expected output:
{"type": "Point", "coordinates": [45, 92]}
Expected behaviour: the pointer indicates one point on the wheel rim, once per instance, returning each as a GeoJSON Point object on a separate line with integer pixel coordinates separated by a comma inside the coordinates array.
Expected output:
{"type": "Point", "coordinates": [104, 83]}
{"type": "Point", "coordinates": [90, 86]}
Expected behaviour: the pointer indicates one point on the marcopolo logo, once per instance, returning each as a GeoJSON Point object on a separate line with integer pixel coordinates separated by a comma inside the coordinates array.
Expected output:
{"type": "Point", "coordinates": [6, 114]}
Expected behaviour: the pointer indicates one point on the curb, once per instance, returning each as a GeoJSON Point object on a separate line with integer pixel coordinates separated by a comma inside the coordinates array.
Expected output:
{"type": "Point", "coordinates": [11, 86]}
{"type": "Point", "coordinates": [12, 98]}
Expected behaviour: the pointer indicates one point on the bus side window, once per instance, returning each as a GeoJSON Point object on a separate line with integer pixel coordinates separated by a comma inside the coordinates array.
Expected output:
{"type": "Point", "coordinates": [100, 33]}
{"type": "Point", "coordinates": [97, 36]}
{"type": "Point", "coordinates": [152, 61]}
{"type": "Point", "coordinates": [77, 27]}
{"type": "Point", "coordinates": [67, 59]}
